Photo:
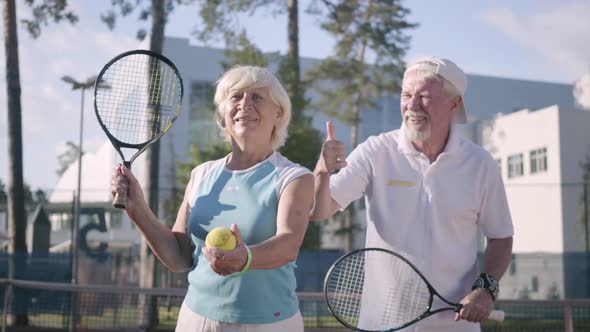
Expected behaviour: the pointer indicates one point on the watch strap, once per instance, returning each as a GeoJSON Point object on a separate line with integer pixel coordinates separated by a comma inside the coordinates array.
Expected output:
{"type": "Point", "coordinates": [489, 283]}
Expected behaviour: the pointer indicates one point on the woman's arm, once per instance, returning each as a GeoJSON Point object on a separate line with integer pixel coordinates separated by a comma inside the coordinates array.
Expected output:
{"type": "Point", "coordinates": [295, 205]}
{"type": "Point", "coordinates": [172, 247]}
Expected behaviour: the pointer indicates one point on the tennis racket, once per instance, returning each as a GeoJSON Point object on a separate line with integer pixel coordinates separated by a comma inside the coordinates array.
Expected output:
{"type": "Point", "coordinates": [137, 98]}
{"type": "Point", "coordinates": [374, 289]}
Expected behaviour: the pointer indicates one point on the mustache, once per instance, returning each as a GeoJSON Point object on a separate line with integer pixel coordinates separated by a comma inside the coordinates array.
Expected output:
{"type": "Point", "coordinates": [409, 113]}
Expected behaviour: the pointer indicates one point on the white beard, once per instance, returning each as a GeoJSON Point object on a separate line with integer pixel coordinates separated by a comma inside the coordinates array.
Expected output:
{"type": "Point", "coordinates": [415, 135]}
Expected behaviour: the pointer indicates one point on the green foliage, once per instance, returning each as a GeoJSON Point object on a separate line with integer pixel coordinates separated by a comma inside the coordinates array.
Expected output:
{"type": "Point", "coordinates": [304, 142]}
{"type": "Point", "coordinates": [295, 87]}
{"type": "Point", "coordinates": [364, 30]}
{"type": "Point", "coordinates": [366, 64]}
{"type": "Point", "coordinates": [244, 53]}
{"type": "Point", "coordinates": [34, 197]}
{"type": "Point", "coordinates": [47, 10]}
{"type": "Point", "coordinates": [221, 18]}
{"type": "Point", "coordinates": [197, 156]}
{"type": "Point", "coordinates": [123, 8]}
{"type": "Point", "coordinates": [31, 197]}
{"type": "Point", "coordinates": [66, 158]}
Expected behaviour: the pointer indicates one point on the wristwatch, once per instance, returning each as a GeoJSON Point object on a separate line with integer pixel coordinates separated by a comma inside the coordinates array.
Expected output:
{"type": "Point", "coordinates": [488, 283]}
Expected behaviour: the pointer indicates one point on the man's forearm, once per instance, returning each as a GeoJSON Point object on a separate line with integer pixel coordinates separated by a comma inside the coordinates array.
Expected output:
{"type": "Point", "coordinates": [497, 256]}
{"type": "Point", "coordinates": [324, 206]}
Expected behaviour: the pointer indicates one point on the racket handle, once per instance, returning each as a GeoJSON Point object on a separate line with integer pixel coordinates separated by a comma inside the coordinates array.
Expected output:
{"type": "Point", "coordinates": [120, 200]}
{"type": "Point", "coordinates": [497, 315]}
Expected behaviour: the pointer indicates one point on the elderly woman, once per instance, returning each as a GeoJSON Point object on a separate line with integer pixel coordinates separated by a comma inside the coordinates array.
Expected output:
{"type": "Point", "coordinates": [265, 199]}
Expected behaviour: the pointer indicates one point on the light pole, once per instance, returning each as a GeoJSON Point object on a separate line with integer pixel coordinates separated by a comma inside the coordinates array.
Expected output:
{"type": "Point", "coordinates": [82, 86]}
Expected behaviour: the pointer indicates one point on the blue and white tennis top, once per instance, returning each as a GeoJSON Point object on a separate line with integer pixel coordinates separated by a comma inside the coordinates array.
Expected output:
{"type": "Point", "coordinates": [248, 198]}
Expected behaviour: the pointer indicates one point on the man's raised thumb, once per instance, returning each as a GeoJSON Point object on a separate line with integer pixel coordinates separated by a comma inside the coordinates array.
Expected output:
{"type": "Point", "coordinates": [330, 131]}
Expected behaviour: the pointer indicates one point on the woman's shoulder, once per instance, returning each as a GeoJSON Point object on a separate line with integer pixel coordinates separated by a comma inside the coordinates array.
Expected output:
{"type": "Point", "coordinates": [207, 166]}
{"type": "Point", "coordinates": [287, 171]}
{"type": "Point", "coordinates": [283, 164]}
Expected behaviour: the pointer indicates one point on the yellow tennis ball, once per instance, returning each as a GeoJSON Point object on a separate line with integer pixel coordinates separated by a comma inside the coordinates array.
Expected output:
{"type": "Point", "coordinates": [220, 238]}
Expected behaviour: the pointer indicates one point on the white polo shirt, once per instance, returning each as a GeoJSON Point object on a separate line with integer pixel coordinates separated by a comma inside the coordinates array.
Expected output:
{"type": "Point", "coordinates": [429, 212]}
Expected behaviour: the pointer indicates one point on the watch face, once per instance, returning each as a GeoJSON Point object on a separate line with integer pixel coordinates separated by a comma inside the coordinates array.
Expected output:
{"type": "Point", "coordinates": [479, 283]}
{"type": "Point", "coordinates": [488, 283]}
{"type": "Point", "coordinates": [492, 284]}
{"type": "Point", "coordinates": [493, 287]}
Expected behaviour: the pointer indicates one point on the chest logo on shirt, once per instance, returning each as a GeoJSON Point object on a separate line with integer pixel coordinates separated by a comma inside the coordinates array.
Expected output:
{"type": "Point", "coordinates": [400, 183]}
{"type": "Point", "coordinates": [232, 188]}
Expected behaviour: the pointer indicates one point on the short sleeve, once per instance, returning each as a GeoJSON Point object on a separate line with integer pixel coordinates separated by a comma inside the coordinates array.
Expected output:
{"type": "Point", "coordinates": [197, 175]}
{"type": "Point", "coordinates": [289, 174]}
{"type": "Point", "coordinates": [351, 182]}
{"type": "Point", "coordinates": [494, 217]}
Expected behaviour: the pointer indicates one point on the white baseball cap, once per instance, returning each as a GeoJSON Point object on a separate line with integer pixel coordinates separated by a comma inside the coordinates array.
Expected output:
{"type": "Point", "coordinates": [448, 70]}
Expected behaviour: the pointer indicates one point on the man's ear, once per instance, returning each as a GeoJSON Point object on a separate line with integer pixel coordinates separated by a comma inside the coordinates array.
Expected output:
{"type": "Point", "coordinates": [456, 102]}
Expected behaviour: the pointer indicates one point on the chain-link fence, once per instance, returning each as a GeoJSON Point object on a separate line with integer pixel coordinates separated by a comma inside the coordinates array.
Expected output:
{"type": "Point", "coordinates": [54, 306]}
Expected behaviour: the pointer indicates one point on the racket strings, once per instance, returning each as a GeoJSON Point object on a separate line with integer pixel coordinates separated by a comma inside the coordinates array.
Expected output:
{"type": "Point", "coordinates": [345, 288]}
{"type": "Point", "coordinates": [138, 98]}
{"type": "Point", "coordinates": [408, 298]}
{"type": "Point", "coordinates": [376, 291]}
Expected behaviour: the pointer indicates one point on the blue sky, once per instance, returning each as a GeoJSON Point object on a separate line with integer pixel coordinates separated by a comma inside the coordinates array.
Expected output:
{"type": "Point", "coordinates": [542, 40]}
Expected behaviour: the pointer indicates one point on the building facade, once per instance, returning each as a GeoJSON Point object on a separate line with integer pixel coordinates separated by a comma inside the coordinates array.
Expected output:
{"type": "Point", "coordinates": [540, 153]}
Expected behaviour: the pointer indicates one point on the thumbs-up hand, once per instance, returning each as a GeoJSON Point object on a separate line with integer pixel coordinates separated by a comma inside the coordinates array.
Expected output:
{"type": "Point", "coordinates": [333, 153]}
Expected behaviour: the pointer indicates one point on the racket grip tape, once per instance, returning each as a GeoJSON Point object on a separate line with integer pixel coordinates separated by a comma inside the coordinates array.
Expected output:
{"type": "Point", "coordinates": [120, 200]}
{"type": "Point", "coordinates": [497, 315]}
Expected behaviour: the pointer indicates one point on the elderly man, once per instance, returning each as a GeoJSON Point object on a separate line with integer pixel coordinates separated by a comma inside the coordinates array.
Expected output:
{"type": "Point", "coordinates": [429, 193]}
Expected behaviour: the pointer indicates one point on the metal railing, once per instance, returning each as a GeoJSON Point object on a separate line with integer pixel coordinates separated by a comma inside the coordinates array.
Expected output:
{"type": "Point", "coordinates": [102, 308]}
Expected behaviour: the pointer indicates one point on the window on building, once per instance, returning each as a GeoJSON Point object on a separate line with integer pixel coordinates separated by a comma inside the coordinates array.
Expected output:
{"type": "Point", "coordinates": [538, 159]}
{"type": "Point", "coordinates": [202, 127]}
{"type": "Point", "coordinates": [515, 167]}
{"type": "Point", "coordinates": [535, 284]}
{"type": "Point", "coordinates": [513, 265]}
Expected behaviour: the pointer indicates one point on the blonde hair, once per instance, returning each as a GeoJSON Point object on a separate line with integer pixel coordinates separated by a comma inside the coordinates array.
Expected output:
{"type": "Point", "coordinates": [252, 77]}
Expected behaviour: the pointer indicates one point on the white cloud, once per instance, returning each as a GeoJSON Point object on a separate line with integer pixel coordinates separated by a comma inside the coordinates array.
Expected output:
{"type": "Point", "coordinates": [50, 109]}
{"type": "Point", "coordinates": [560, 34]}
{"type": "Point", "coordinates": [582, 92]}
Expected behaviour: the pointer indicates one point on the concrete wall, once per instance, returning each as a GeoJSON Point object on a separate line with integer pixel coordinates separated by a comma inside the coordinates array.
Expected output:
{"type": "Point", "coordinates": [534, 199]}
{"type": "Point", "coordinates": [574, 137]}
{"type": "Point", "coordinates": [537, 276]}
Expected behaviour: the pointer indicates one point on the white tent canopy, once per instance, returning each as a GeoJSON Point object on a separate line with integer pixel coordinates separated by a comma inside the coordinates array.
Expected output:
{"type": "Point", "coordinates": [97, 168]}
